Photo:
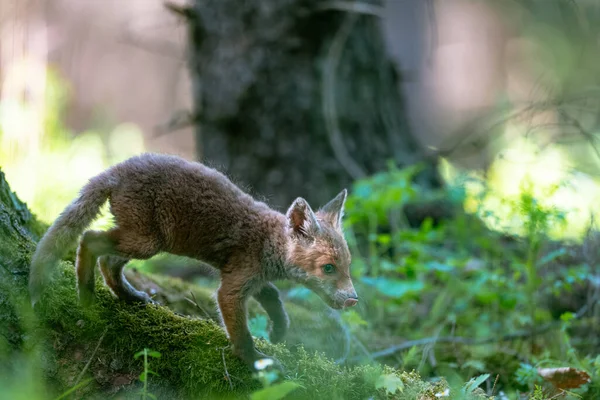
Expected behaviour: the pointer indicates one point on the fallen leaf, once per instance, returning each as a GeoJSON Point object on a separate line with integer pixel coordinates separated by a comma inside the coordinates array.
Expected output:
{"type": "Point", "coordinates": [564, 378]}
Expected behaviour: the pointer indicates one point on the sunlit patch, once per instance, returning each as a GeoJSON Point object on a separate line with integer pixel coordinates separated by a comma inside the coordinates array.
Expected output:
{"type": "Point", "coordinates": [45, 163]}
{"type": "Point", "coordinates": [545, 174]}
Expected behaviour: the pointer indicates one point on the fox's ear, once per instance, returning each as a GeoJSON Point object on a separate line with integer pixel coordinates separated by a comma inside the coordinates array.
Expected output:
{"type": "Point", "coordinates": [334, 210]}
{"type": "Point", "coordinates": [302, 219]}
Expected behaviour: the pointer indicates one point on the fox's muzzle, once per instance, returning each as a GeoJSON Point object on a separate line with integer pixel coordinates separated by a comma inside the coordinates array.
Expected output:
{"type": "Point", "coordinates": [350, 302]}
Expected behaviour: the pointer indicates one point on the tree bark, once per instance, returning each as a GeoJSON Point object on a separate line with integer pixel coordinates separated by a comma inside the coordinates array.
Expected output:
{"type": "Point", "coordinates": [297, 97]}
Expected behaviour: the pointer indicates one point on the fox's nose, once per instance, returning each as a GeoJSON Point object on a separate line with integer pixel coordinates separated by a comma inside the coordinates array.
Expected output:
{"type": "Point", "coordinates": [350, 302]}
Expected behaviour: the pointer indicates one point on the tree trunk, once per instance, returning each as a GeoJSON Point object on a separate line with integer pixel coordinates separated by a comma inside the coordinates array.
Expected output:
{"type": "Point", "coordinates": [297, 97]}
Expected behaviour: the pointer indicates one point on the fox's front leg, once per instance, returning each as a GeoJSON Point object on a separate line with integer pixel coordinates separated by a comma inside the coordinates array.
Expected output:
{"type": "Point", "coordinates": [232, 297]}
{"type": "Point", "coordinates": [269, 299]}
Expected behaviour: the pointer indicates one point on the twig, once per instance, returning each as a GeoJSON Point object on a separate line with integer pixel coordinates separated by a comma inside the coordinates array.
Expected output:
{"type": "Point", "coordinates": [184, 12]}
{"type": "Point", "coordinates": [359, 7]}
{"type": "Point", "coordinates": [471, 341]}
{"type": "Point", "coordinates": [237, 378]}
{"type": "Point", "coordinates": [195, 302]}
{"type": "Point", "coordinates": [225, 367]}
{"type": "Point", "coordinates": [180, 120]}
{"type": "Point", "coordinates": [473, 128]}
{"type": "Point", "coordinates": [347, 336]}
{"type": "Point", "coordinates": [328, 93]}
{"type": "Point", "coordinates": [495, 382]}
{"type": "Point", "coordinates": [362, 347]}
{"type": "Point", "coordinates": [91, 357]}
{"type": "Point", "coordinates": [575, 122]}
{"type": "Point", "coordinates": [560, 393]}
{"type": "Point", "coordinates": [162, 48]}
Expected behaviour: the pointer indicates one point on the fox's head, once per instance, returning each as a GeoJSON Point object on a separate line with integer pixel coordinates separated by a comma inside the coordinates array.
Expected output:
{"type": "Point", "coordinates": [318, 254]}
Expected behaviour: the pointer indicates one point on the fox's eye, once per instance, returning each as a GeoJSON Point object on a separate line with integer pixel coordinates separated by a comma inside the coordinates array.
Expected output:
{"type": "Point", "coordinates": [328, 268]}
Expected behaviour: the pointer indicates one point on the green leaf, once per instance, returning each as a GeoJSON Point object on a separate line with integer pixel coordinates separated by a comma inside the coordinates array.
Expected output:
{"type": "Point", "coordinates": [391, 383]}
{"type": "Point", "coordinates": [553, 255]}
{"type": "Point", "coordinates": [384, 239]}
{"type": "Point", "coordinates": [143, 376]}
{"type": "Point", "coordinates": [395, 288]}
{"type": "Point", "coordinates": [154, 354]}
{"type": "Point", "coordinates": [567, 316]}
{"type": "Point", "coordinates": [437, 266]}
{"type": "Point", "coordinates": [139, 353]}
{"type": "Point", "coordinates": [474, 383]}
{"type": "Point", "coordinates": [475, 364]}
{"type": "Point", "coordinates": [410, 356]}
{"type": "Point", "coordinates": [275, 392]}
{"type": "Point", "coordinates": [387, 265]}
{"type": "Point", "coordinates": [353, 319]}
{"type": "Point", "coordinates": [74, 388]}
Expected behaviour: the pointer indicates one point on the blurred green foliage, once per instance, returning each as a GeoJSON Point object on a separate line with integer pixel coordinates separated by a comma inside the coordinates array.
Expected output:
{"type": "Point", "coordinates": [47, 163]}
{"type": "Point", "coordinates": [461, 279]}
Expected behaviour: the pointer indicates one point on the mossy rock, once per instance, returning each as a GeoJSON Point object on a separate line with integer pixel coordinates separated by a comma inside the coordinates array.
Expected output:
{"type": "Point", "coordinates": [61, 339]}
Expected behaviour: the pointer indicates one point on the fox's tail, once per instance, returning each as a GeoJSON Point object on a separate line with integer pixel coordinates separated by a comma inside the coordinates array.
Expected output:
{"type": "Point", "coordinates": [65, 231]}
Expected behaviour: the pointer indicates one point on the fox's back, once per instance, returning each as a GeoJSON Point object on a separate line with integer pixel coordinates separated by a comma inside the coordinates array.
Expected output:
{"type": "Point", "coordinates": [192, 209]}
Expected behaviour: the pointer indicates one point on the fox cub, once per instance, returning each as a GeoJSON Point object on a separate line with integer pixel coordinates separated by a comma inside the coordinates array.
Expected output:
{"type": "Point", "coordinates": [163, 203]}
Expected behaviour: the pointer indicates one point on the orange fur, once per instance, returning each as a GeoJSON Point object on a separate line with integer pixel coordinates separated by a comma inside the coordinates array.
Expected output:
{"type": "Point", "coordinates": [166, 204]}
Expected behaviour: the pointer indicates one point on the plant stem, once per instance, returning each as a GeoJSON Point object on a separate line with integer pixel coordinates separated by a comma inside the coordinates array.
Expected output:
{"type": "Point", "coordinates": [145, 373]}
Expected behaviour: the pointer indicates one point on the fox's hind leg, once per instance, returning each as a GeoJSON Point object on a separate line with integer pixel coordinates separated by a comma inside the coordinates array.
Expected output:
{"type": "Point", "coordinates": [87, 253]}
{"type": "Point", "coordinates": [269, 299]}
{"type": "Point", "coordinates": [112, 270]}
{"type": "Point", "coordinates": [124, 244]}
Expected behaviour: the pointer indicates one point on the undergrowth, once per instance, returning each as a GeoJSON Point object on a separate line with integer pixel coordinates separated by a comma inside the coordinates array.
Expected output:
{"type": "Point", "coordinates": [473, 300]}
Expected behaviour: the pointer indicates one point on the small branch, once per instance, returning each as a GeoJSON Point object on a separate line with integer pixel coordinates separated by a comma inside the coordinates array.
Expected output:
{"type": "Point", "coordinates": [195, 302]}
{"type": "Point", "coordinates": [575, 123]}
{"type": "Point", "coordinates": [470, 341]}
{"type": "Point", "coordinates": [184, 12]}
{"type": "Point", "coordinates": [180, 120]}
{"type": "Point", "coordinates": [347, 336]}
{"type": "Point", "coordinates": [238, 379]}
{"type": "Point", "coordinates": [87, 365]}
{"type": "Point", "coordinates": [165, 49]}
{"type": "Point", "coordinates": [359, 7]}
{"type": "Point", "coordinates": [495, 382]}
{"type": "Point", "coordinates": [225, 367]}
{"type": "Point", "coordinates": [328, 97]}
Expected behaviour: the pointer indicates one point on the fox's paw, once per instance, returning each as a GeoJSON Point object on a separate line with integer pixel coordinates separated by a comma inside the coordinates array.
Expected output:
{"type": "Point", "coordinates": [279, 329]}
{"type": "Point", "coordinates": [277, 333]}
